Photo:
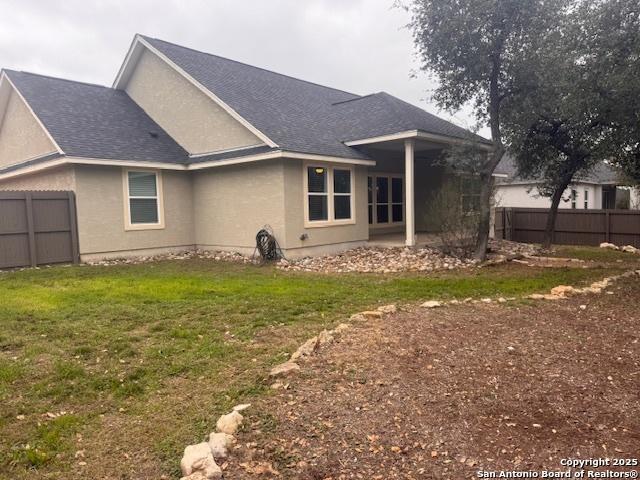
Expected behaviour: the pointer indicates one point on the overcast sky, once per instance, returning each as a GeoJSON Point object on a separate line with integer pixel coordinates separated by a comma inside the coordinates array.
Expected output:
{"type": "Point", "coordinates": [361, 46]}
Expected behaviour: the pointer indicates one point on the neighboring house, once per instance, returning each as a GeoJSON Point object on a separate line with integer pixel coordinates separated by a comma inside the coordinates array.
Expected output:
{"type": "Point", "coordinates": [189, 149]}
{"type": "Point", "coordinates": [602, 188]}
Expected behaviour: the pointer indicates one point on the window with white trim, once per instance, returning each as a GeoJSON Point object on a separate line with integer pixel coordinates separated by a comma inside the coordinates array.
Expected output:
{"type": "Point", "coordinates": [329, 192]}
{"type": "Point", "coordinates": [574, 199]}
{"type": "Point", "coordinates": [143, 198]}
{"type": "Point", "coordinates": [586, 199]}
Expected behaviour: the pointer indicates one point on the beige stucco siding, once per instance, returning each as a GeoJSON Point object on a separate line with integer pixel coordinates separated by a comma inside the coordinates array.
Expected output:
{"type": "Point", "coordinates": [326, 235]}
{"type": "Point", "coordinates": [21, 137]}
{"type": "Point", "coordinates": [232, 203]}
{"type": "Point", "coordinates": [61, 178]}
{"type": "Point", "coordinates": [101, 209]}
{"type": "Point", "coordinates": [193, 119]}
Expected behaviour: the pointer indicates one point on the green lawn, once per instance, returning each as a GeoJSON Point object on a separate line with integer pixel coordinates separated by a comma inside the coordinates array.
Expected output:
{"type": "Point", "coordinates": [136, 361]}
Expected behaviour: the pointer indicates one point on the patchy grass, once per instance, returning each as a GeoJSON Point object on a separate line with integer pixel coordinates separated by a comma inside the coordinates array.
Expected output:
{"type": "Point", "coordinates": [594, 254]}
{"type": "Point", "coordinates": [128, 364]}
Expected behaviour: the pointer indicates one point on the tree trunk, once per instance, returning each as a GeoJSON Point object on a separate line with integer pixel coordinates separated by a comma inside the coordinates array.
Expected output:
{"type": "Point", "coordinates": [549, 230]}
{"type": "Point", "coordinates": [484, 222]}
{"type": "Point", "coordinates": [486, 173]}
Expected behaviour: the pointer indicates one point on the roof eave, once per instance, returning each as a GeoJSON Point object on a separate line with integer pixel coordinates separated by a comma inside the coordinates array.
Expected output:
{"type": "Point", "coordinates": [420, 135]}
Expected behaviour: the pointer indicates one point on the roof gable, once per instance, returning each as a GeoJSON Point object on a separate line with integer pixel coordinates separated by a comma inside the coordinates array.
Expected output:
{"type": "Point", "coordinates": [299, 115]}
{"type": "Point", "coordinates": [22, 135]}
{"type": "Point", "coordinates": [92, 121]}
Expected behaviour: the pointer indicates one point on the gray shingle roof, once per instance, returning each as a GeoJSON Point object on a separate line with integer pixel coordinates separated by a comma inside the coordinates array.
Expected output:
{"type": "Point", "coordinates": [298, 115]}
{"type": "Point", "coordinates": [97, 122]}
{"type": "Point", "coordinates": [93, 121]}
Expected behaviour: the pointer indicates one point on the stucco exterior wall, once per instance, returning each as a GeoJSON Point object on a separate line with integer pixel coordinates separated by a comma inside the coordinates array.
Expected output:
{"type": "Point", "coordinates": [101, 208]}
{"type": "Point", "coordinates": [21, 137]}
{"type": "Point", "coordinates": [62, 178]}
{"type": "Point", "coordinates": [193, 119]}
{"type": "Point", "coordinates": [232, 203]}
{"type": "Point", "coordinates": [343, 236]}
{"type": "Point", "coordinates": [527, 196]}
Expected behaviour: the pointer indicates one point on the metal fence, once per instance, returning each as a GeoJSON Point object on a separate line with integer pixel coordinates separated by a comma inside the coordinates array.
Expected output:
{"type": "Point", "coordinates": [573, 227]}
{"type": "Point", "coordinates": [37, 228]}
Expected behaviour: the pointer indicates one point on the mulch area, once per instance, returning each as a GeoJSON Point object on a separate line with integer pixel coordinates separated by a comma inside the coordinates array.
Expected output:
{"type": "Point", "coordinates": [443, 393]}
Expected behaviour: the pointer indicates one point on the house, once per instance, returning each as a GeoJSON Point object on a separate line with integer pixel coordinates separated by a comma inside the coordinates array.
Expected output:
{"type": "Point", "coordinates": [602, 188]}
{"type": "Point", "coordinates": [189, 149]}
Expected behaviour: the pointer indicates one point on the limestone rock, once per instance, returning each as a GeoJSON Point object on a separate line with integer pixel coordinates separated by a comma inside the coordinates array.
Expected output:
{"type": "Point", "coordinates": [219, 443]}
{"type": "Point", "coordinates": [371, 314]}
{"type": "Point", "coordinates": [229, 423]}
{"type": "Point", "coordinates": [197, 462]}
{"type": "Point", "coordinates": [241, 407]}
{"type": "Point", "coordinates": [630, 249]}
{"type": "Point", "coordinates": [325, 338]}
{"type": "Point", "coordinates": [388, 309]}
{"type": "Point", "coordinates": [341, 328]}
{"type": "Point", "coordinates": [609, 246]}
{"type": "Point", "coordinates": [544, 296]}
{"type": "Point", "coordinates": [563, 290]}
{"type": "Point", "coordinates": [431, 304]}
{"type": "Point", "coordinates": [379, 260]}
{"type": "Point", "coordinates": [306, 349]}
{"type": "Point", "coordinates": [284, 369]}
{"type": "Point", "coordinates": [357, 317]}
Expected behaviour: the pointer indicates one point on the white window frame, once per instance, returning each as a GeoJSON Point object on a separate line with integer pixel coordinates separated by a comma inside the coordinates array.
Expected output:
{"type": "Point", "coordinates": [574, 198]}
{"type": "Point", "coordinates": [331, 220]}
{"type": "Point", "coordinates": [128, 225]}
{"type": "Point", "coordinates": [374, 197]}
{"type": "Point", "coordinates": [586, 199]}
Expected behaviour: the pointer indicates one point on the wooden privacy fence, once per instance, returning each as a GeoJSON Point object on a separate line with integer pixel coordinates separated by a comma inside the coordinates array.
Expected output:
{"type": "Point", "coordinates": [37, 228]}
{"type": "Point", "coordinates": [573, 227]}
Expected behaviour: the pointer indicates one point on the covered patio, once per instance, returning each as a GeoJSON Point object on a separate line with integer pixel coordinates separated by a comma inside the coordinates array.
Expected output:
{"type": "Point", "coordinates": [401, 185]}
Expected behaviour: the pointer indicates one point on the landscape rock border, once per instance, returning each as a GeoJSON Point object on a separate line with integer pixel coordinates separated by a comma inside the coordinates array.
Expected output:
{"type": "Point", "coordinates": [313, 345]}
{"type": "Point", "coordinates": [626, 248]}
{"type": "Point", "coordinates": [199, 460]}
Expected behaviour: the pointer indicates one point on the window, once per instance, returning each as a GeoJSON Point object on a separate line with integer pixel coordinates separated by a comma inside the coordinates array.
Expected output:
{"type": "Point", "coordinates": [329, 195]}
{"type": "Point", "coordinates": [143, 191]}
{"type": "Point", "coordinates": [574, 198]}
{"type": "Point", "coordinates": [586, 199]}
{"type": "Point", "coordinates": [385, 199]}
{"type": "Point", "coordinates": [341, 194]}
{"type": "Point", "coordinates": [318, 194]}
{"type": "Point", "coordinates": [470, 194]}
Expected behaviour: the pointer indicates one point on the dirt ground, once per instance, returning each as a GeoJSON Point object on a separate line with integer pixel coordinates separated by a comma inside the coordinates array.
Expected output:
{"type": "Point", "coordinates": [444, 393]}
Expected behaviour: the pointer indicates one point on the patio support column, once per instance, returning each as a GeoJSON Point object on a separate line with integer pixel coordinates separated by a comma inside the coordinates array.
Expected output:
{"type": "Point", "coordinates": [410, 220]}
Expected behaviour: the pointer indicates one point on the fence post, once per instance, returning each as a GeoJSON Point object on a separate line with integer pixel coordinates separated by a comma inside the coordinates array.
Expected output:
{"type": "Point", "coordinates": [31, 229]}
{"type": "Point", "coordinates": [607, 230]}
{"type": "Point", "coordinates": [73, 226]}
{"type": "Point", "coordinates": [509, 222]}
